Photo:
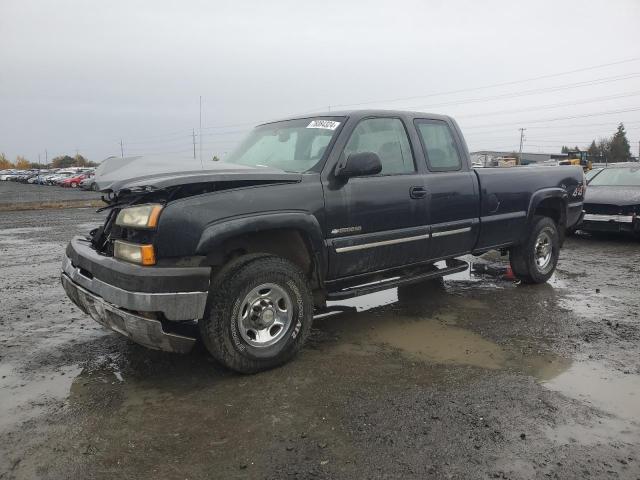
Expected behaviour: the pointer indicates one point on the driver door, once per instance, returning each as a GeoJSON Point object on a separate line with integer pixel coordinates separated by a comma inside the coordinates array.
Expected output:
{"type": "Point", "coordinates": [377, 222]}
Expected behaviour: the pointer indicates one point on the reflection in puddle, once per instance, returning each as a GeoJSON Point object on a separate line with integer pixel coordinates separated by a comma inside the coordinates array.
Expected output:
{"type": "Point", "coordinates": [610, 429]}
{"type": "Point", "coordinates": [25, 398]}
{"type": "Point", "coordinates": [616, 394]}
{"type": "Point", "coordinates": [432, 340]}
{"type": "Point", "coordinates": [604, 388]}
{"type": "Point", "coordinates": [423, 325]}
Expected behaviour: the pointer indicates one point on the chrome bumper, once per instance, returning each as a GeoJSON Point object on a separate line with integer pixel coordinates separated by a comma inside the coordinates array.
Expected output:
{"type": "Point", "coordinates": [174, 306]}
{"type": "Point", "coordinates": [593, 217]}
{"type": "Point", "coordinates": [145, 331]}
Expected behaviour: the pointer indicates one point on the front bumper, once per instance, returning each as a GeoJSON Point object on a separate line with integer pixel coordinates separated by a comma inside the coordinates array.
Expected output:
{"type": "Point", "coordinates": [144, 331]}
{"type": "Point", "coordinates": [610, 223]}
{"type": "Point", "coordinates": [135, 300]}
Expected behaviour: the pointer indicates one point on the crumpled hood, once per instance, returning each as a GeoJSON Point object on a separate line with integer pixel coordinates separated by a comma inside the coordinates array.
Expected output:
{"type": "Point", "coordinates": [612, 195]}
{"type": "Point", "coordinates": [158, 172]}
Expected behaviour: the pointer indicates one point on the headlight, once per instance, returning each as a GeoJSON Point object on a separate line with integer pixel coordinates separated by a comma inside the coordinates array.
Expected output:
{"type": "Point", "coordinates": [134, 253]}
{"type": "Point", "coordinates": [140, 216]}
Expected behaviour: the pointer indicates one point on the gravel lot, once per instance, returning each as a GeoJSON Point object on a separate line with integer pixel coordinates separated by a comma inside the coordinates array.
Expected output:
{"type": "Point", "coordinates": [15, 193]}
{"type": "Point", "coordinates": [475, 377]}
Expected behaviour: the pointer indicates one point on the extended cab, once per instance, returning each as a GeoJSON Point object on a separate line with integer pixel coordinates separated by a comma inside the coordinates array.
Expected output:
{"type": "Point", "coordinates": [304, 211]}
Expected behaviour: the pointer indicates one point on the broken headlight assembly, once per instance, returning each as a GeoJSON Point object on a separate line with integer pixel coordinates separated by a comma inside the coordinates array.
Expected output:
{"type": "Point", "coordinates": [134, 253]}
{"type": "Point", "coordinates": [140, 216]}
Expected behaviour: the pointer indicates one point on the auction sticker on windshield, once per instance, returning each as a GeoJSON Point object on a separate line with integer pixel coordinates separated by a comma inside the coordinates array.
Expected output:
{"type": "Point", "coordinates": [326, 124]}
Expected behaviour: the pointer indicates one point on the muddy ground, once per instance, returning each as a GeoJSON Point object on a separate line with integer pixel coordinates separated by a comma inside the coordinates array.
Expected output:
{"type": "Point", "coordinates": [475, 377]}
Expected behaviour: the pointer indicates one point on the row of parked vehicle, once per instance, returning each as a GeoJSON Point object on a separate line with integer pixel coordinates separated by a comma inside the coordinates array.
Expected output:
{"type": "Point", "coordinates": [62, 177]}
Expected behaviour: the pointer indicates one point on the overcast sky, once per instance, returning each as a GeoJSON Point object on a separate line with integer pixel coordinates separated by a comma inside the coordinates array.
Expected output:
{"type": "Point", "coordinates": [86, 74]}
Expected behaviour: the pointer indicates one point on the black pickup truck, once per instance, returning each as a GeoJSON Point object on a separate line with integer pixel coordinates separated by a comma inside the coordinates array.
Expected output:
{"type": "Point", "coordinates": [304, 211]}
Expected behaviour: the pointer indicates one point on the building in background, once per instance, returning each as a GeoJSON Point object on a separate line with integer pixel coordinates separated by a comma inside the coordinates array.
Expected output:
{"type": "Point", "coordinates": [492, 158]}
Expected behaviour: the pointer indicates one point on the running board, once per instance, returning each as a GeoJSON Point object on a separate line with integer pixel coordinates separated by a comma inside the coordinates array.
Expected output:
{"type": "Point", "coordinates": [453, 266]}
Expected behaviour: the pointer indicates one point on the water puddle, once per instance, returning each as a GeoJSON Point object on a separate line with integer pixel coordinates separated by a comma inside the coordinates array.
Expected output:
{"type": "Point", "coordinates": [435, 341]}
{"type": "Point", "coordinates": [610, 391]}
{"type": "Point", "coordinates": [429, 333]}
{"type": "Point", "coordinates": [25, 398]}
{"type": "Point", "coordinates": [604, 388]}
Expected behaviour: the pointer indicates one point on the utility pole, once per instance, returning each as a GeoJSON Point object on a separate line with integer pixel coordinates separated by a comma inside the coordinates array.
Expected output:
{"type": "Point", "coordinates": [193, 132]}
{"type": "Point", "coordinates": [121, 149]}
{"type": "Point", "coordinates": [521, 142]}
{"type": "Point", "coordinates": [200, 133]}
{"type": "Point", "coordinates": [46, 156]}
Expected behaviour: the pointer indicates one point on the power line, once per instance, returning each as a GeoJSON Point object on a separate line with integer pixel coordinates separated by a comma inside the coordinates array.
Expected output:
{"type": "Point", "coordinates": [635, 109]}
{"type": "Point", "coordinates": [168, 134]}
{"type": "Point", "coordinates": [555, 105]}
{"type": "Point", "coordinates": [494, 85]}
{"type": "Point", "coordinates": [573, 125]}
{"type": "Point", "coordinates": [159, 140]}
{"type": "Point", "coordinates": [188, 150]}
{"type": "Point", "coordinates": [534, 91]}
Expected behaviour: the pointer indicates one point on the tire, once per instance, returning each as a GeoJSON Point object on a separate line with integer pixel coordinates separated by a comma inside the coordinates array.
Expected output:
{"type": "Point", "coordinates": [74, 185]}
{"type": "Point", "coordinates": [94, 187]}
{"type": "Point", "coordinates": [246, 339]}
{"type": "Point", "coordinates": [529, 261]}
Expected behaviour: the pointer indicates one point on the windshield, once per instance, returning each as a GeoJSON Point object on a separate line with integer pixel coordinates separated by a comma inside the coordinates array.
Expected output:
{"type": "Point", "coordinates": [293, 145]}
{"type": "Point", "coordinates": [592, 173]}
{"type": "Point", "coordinates": [623, 177]}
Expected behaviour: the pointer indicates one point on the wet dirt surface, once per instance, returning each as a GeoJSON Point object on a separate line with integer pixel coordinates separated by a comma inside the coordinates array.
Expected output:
{"type": "Point", "coordinates": [473, 377]}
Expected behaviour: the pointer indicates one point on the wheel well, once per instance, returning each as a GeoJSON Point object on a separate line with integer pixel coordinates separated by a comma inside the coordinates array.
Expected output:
{"type": "Point", "coordinates": [554, 209]}
{"type": "Point", "coordinates": [287, 243]}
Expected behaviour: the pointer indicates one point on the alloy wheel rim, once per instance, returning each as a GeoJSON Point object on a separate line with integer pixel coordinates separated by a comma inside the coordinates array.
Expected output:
{"type": "Point", "coordinates": [543, 251]}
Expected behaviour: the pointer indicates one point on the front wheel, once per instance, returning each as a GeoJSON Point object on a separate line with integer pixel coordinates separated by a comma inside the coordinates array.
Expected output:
{"type": "Point", "coordinates": [259, 313]}
{"type": "Point", "coordinates": [535, 260]}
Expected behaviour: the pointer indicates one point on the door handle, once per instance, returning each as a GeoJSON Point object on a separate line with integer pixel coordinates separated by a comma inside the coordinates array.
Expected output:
{"type": "Point", "coordinates": [417, 192]}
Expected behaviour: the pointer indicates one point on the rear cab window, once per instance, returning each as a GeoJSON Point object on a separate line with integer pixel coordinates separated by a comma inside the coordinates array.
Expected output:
{"type": "Point", "coordinates": [439, 145]}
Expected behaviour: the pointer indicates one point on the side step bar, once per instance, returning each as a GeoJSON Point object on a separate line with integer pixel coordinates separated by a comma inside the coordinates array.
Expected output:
{"type": "Point", "coordinates": [453, 266]}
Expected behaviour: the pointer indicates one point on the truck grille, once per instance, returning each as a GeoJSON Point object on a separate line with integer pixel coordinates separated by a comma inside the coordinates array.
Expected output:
{"type": "Point", "coordinates": [100, 238]}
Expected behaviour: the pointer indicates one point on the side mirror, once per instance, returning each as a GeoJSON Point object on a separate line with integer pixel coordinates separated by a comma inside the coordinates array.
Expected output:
{"type": "Point", "coordinates": [359, 165]}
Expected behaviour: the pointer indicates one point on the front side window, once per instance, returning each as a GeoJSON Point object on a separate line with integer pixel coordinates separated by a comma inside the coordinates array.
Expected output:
{"type": "Point", "coordinates": [293, 145]}
{"type": "Point", "coordinates": [386, 137]}
{"type": "Point", "coordinates": [439, 145]}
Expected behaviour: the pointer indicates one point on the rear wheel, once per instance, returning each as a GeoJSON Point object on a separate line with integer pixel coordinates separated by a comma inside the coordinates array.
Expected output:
{"type": "Point", "coordinates": [535, 260]}
{"type": "Point", "coordinates": [258, 315]}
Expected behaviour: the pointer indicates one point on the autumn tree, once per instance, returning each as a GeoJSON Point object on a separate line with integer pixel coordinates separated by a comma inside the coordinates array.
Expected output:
{"type": "Point", "coordinates": [5, 164]}
{"type": "Point", "coordinates": [22, 163]}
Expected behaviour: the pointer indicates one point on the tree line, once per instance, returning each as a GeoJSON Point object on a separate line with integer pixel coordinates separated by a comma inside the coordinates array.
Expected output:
{"type": "Point", "coordinates": [613, 149]}
{"type": "Point", "coordinates": [62, 161]}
